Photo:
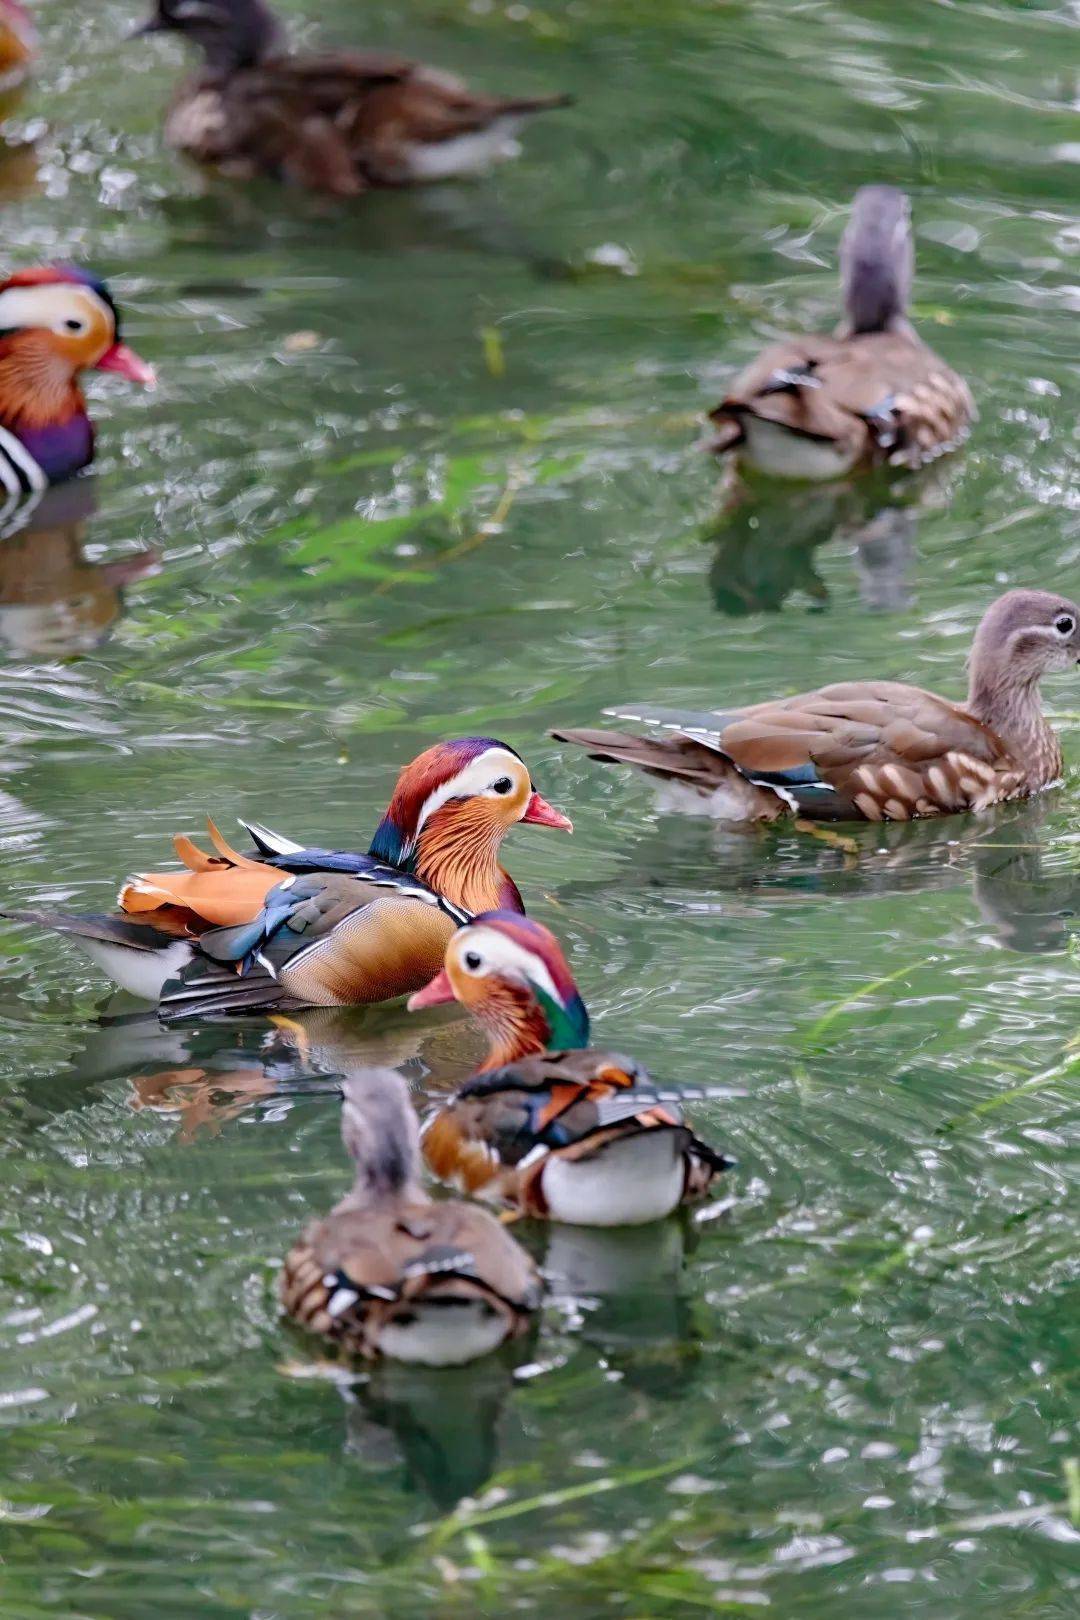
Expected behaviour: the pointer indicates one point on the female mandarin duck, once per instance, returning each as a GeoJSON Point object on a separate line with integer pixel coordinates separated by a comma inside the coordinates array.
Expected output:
{"type": "Point", "coordinates": [55, 322]}
{"type": "Point", "coordinates": [338, 122]}
{"type": "Point", "coordinates": [573, 1134]}
{"type": "Point", "coordinates": [817, 406]}
{"type": "Point", "coordinates": [871, 750]}
{"type": "Point", "coordinates": [390, 1273]}
{"type": "Point", "coordinates": [342, 929]}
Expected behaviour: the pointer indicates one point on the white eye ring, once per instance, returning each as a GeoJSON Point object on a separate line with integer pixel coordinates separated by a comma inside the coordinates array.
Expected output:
{"type": "Point", "coordinates": [74, 325]}
{"type": "Point", "coordinates": [1065, 624]}
{"type": "Point", "coordinates": [473, 961]}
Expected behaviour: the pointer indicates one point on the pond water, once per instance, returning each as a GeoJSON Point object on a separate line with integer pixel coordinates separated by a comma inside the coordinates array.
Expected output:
{"type": "Point", "coordinates": [467, 499]}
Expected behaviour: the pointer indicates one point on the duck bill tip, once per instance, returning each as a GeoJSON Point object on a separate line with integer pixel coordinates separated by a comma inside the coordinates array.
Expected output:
{"type": "Point", "coordinates": [538, 813]}
{"type": "Point", "coordinates": [126, 363]}
{"type": "Point", "coordinates": [435, 994]}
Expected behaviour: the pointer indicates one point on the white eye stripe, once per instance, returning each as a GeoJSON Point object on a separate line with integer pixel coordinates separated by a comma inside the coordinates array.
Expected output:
{"type": "Point", "coordinates": [506, 957]}
{"type": "Point", "coordinates": [477, 777]}
{"type": "Point", "coordinates": [50, 307]}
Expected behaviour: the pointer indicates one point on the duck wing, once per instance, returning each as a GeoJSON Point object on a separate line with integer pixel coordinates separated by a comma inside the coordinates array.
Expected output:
{"type": "Point", "coordinates": [878, 395]}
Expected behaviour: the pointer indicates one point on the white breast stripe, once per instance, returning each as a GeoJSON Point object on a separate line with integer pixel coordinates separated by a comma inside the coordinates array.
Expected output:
{"type": "Point", "coordinates": [19, 472]}
{"type": "Point", "coordinates": [31, 474]}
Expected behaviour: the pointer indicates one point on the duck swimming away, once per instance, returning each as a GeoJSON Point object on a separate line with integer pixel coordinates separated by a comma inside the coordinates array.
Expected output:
{"type": "Point", "coordinates": [874, 393]}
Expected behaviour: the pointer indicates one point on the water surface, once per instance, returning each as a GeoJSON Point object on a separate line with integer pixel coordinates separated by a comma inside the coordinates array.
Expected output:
{"type": "Point", "coordinates": [470, 502]}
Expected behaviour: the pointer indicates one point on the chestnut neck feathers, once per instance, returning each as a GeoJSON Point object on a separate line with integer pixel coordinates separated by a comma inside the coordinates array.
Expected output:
{"type": "Point", "coordinates": [877, 261]}
{"type": "Point", "coordinates": [457, 854]}
{"type": "Point", "coordinates": [523, 1020]}
{"type": "Point", "coordinates": [379, 1130]}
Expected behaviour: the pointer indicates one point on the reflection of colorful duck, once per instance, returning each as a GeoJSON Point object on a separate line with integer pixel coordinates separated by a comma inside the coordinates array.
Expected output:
{"type": "Point", "coordinates": [55, 602]}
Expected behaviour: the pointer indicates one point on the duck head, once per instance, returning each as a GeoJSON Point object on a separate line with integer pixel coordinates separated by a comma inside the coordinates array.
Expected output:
{"type": "Point", "coordinates": [877, 260]}
{"type": "Point", "coordinates": [511, 974]}
{"type": "Point", "coordinates": [232, 34]}
{"type": "Point", "coordinates": [57, 321]}
{"type": "Point", "coordinates": [452, 807]}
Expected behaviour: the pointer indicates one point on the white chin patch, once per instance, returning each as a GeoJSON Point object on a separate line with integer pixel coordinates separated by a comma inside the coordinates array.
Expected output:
{"type": "Point", "coordinates": [629, 1182]}
{"type": "Point", "coordinates": [444, 1335]}
{"type": "Point", "coordinates": [777, 451]}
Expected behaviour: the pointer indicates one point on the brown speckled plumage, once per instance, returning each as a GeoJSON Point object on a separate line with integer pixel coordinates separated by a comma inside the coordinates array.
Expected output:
{"type": "Point", "coordinates": [876, 750]}
{"type": "Point", "coordinates": [387, 1254]}
{"type": "Point", "coordinates": [874, 392]}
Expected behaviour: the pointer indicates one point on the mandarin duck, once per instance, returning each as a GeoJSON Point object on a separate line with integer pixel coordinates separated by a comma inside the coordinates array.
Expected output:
{"type": "Point", "coordinates": [873, 393]}
{"type": "Point", "coordinates": [870, 750]}
{"type": "Point", "coordinates": [55, 322]}
{"type": "Point", "coordinates": [18, 43]}
{"type": "Point", "coordinates": [337, 122]}
{"type": "Point", "coordinates": [231, 934]}
{"type": "Point", "coordinates": [548, 1124]}
{"type": "Point", "coordinates": [389, 1272]}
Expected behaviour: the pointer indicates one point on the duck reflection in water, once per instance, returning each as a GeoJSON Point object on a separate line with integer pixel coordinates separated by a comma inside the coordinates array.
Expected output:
{"type": "Point", "coordinates": [209, 1074]}
{"type": "Point", "coordinates": [765, 540]}
{"type": "Point", "coordinates": [448, 1426]}
{"type": "Point", "coordinates": [1023, 884]}
{"type": "Point", "coordinates": [54, 601]}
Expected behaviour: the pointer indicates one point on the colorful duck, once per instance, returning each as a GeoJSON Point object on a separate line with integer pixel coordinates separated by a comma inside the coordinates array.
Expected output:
{"type": "Point", "coordinates": [390, 1273]}
{"type": "Point", "coordinates": [55, 322]}
{"type": "Point", "coordinates": [870, 750]}
{"type": "Point", "coordinates": [873, 393]}
{"type": "Point", "coordinates": [337, 122]}
{"type": "Point", "coordinates": [18, 44]}
{"type": "Point", "coordinates": [342, 928]}
{"type": "Point", "coordinates": [549, 1124]}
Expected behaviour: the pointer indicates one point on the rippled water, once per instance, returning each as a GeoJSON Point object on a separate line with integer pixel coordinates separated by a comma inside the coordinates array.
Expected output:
{"type": "Point", "coordinates": [471, 502]}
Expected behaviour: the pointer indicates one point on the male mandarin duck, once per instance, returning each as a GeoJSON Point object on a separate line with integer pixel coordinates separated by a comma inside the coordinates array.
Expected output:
{"type": "Point", "coordinates": [873, 393]}
{"type": "Point", "coordinates": [342, 928]}
{"type": "Point", "coordinates": [55, 322]}
{"type": "Point", "coordinates": [870, 750]}
{"type": "Point", "coordinates": [338, 122]}
{"type": "Point", "coordinates": [18, 43]}
{"type": "Point", "coordinates": [390, 1273]}
{"type": "Point", "coordinates": [549, 1124]}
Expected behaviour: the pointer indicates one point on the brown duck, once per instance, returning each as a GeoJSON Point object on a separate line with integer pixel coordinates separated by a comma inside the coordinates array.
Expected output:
{"type": "Point", "coordinates": [338, 122]}
{"type": "Point", "coordinates": [390, 1273]}
{"type": "Point", "coordinates": [871, 750]}
{"type": "Point", "coordinates": [872, 393]}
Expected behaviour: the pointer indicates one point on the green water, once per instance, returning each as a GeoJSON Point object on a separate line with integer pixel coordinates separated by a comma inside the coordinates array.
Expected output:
{"type": "Point", "coordinates": [849, 1391]}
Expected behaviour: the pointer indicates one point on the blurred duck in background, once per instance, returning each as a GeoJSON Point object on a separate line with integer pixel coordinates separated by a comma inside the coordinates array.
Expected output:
{"type": "Point", "coordinates": [390, 1273]}
{"type": "Point", "coordinates": [339, 121]}
{"type": "Point", "coordinates": [18, 46]}
{"type": "Point", "coordinates": [873, 393]}
{"type": "Point", "coordinates": [54, 601]}
{"type": "Point", "coordinates": [55, 322]}
{"type": "Point", "coordinates": [557, 1128]}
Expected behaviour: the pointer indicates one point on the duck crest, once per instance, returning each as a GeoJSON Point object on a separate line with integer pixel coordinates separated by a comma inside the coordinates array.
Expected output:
{"type": "Point", "coordinates": [453, 846]}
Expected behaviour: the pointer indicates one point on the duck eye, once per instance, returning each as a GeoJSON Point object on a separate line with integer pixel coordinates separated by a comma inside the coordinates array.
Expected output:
{"type": "Point", "coordinates": [503, 785]}
{"type": "Point", "coordinates": [473, 961]}
{"type": "Point", "coordinates": [75, 326]}
{"type": "Point", "coordinates": [1064, 624]}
